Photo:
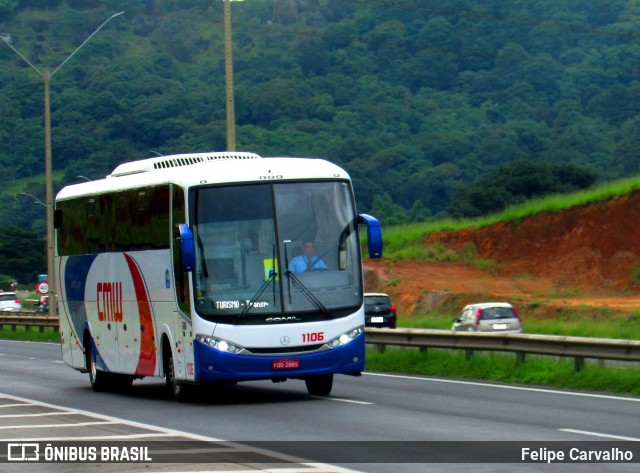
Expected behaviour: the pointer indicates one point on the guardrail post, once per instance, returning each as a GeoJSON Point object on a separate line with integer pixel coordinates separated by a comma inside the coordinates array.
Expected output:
{"type": "Point", "coordinates": [520, 357]}
{"type": "Point", "coordinates": [578, 363]}
{"type": "Point", "coordinates": [468, 354]}
{"type": "Point", "coordinates": [380, 348]}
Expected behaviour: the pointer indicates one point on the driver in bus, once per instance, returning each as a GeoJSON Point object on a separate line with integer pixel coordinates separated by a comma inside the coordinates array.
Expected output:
{"type": "Point", "coordinates": [307, 261]}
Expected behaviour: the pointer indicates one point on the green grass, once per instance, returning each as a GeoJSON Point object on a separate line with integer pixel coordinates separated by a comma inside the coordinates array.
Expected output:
{"type": "Point", "coordinates": [32, 334]}
{"type": "Point", "coordinates": [399, 238]}
{"type": "Point", "coordinates": [624, 328]}
{"type": "Point", "coordinates": [433, 320]}
{"type": "Point", "coordinates": [485, 366]}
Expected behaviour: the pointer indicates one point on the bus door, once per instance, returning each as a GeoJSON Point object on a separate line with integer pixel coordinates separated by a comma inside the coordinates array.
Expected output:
{"type": "Point", "coordinates": [141, 300]}
{"type": "Point", "coordinates": [120, 308]}
{"type": "Point", "coordinates": [183, 347]}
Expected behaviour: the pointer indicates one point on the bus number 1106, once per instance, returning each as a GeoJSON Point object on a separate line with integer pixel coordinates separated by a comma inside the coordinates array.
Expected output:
{"type": "Point", "coordinates": [313, 337]}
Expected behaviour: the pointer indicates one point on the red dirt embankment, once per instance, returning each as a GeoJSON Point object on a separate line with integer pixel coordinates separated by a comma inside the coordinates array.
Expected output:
{"type": "Point", "coordinates": [591, 249]}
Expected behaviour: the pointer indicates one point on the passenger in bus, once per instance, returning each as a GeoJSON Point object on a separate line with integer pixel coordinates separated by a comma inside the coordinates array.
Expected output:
{"type": "Point", "coordinates": [307, 261]}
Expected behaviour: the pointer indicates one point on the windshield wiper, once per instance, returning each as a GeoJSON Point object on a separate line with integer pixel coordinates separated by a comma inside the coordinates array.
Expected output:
{"type": "Point", "coordinates": [245, 311]}
{"type": "Point", "coordinates": [272, 275]}
{"type": "Point", "coordinates": [308, 294]}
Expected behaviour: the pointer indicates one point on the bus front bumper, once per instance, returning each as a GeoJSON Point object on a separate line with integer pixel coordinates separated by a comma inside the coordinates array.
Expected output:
{"type": "Point", "coordinates": [215, 365]}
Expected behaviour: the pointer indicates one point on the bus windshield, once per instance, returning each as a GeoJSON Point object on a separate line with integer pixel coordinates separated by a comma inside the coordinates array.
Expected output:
{"type": "Point", "coordinates": [286, 250]}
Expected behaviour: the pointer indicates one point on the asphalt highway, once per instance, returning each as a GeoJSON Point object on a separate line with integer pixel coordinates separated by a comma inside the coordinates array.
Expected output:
{"type": "Point", "coordinates": [378, 422]}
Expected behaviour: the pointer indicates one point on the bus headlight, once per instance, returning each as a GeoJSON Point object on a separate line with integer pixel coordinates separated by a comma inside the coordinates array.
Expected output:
{"type": "Point", "coordinates": [221, 345]}
{"type": "Point", "coordinates": [345, 338]}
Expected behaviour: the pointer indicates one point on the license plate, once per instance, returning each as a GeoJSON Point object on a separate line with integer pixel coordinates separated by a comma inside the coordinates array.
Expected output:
{"type": "Point", "coordinates": [292, 363]}
{"type": "Point", "coordinates": [377, 320]}
{"type": "Point", "coordinates": [500, 326]}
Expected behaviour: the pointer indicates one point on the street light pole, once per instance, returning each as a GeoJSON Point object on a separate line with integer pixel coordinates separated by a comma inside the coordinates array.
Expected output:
{"type": "Point", "coordinates": [46, 77]}
{"type": "Point", "coordinates": [35, 199]}
{"type": "Point", "coordinates": [48, 173]}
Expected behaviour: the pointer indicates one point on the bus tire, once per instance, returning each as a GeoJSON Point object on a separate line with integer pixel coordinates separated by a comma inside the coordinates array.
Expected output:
{"type": "Point", "coordinates": [177, 388]}
{"type": "Point", "coordinates": [98, 379]}
{"type": "Point", "coordinates": [319, 385]}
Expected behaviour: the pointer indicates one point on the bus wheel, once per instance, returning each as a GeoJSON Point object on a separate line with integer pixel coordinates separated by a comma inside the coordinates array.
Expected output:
{"type": "Point", "coordinates": [97, 378]}
{"type": "Point", "coordinates": [319, 385]}
{"type": "Point", "coordinates": [177, 388]}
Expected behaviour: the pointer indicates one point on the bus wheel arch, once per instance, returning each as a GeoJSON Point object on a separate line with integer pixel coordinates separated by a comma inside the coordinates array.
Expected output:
{"type": "Point", "coordinates": [176, 387]}
{"type": "Point", "coordinates": [165, 347]}
{"type": "Point", "coordinates": [98, 378]}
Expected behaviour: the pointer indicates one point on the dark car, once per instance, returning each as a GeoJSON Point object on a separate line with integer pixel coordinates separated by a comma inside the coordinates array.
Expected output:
{"type": "Point", "coordinates": [379, 311]}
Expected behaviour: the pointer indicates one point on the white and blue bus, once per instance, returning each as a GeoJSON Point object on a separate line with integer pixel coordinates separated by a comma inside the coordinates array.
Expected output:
{"type": "Point", "coordinates": [182, 267]}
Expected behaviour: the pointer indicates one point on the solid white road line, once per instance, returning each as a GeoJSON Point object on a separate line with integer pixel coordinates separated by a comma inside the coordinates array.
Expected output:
{"type": "Point", "coordinates": [338, 399]}
{"type": "Point", "coordinates": [41, 414]}
{"type": "Point", "coordinates": [505, 386]}
{"type": "Point", "coordinates": [601, 435]}
{"type": "Point", "coordinates": [58, 426]}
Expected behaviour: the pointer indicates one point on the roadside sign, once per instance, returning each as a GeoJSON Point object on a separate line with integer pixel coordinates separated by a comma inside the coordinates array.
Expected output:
{"type": "Point", "coordinates": [42, 288]}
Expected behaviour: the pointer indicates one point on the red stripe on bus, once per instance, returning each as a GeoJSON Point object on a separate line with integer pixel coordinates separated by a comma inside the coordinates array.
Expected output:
{"type": "Point", "coordinates": [147, 358]}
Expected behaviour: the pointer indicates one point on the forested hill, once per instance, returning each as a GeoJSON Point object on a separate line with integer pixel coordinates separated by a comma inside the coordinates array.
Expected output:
{"type": "Point", "coordinates": [417, 99]}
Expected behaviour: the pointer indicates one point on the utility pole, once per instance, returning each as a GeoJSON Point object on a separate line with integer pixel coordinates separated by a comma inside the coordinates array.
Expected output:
{"type": "Point", "coordinates": [228, 78]}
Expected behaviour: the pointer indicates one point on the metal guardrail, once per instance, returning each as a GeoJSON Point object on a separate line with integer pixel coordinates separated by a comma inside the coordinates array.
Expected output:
{"type": "Point", "coordinates": [578, 348]}
{"type": "Point", "coordinates": [521, 344]}
{"type": "Point", "coordinates": [27, 319]}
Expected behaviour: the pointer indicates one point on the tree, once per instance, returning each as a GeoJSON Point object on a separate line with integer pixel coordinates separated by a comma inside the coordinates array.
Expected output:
{"type": "Point", "coordinates": [515, 182]}
{"type": "Point", "coordinates": [414, 99]}
{"type": "Point", "coordinates": [311, 56]}
{"type": "Point", "coordinates": [626, 152]}
{"type": "Point", "coordinates": [7, 7]}
{"type": "Point", "coordinates": [22, 255]}
{"type": "Point", "coordinates": [387, 211]}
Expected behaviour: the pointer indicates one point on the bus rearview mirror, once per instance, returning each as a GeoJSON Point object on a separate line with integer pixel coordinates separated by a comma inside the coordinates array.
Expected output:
{"type": "Point", "coordinates": [374, 235]}
{"type": "Point", "coordinates": [187, 248]}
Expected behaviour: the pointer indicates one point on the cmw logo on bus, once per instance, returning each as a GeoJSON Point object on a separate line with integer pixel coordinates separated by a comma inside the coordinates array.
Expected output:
{"type": "Point", "coordinates": [109, 300]}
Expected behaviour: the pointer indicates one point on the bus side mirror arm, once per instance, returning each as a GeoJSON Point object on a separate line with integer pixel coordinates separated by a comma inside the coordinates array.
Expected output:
{"type": "Point", "coordinates": [187, 248]}
{"type": "Point", "coordinates": [374, 235]}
